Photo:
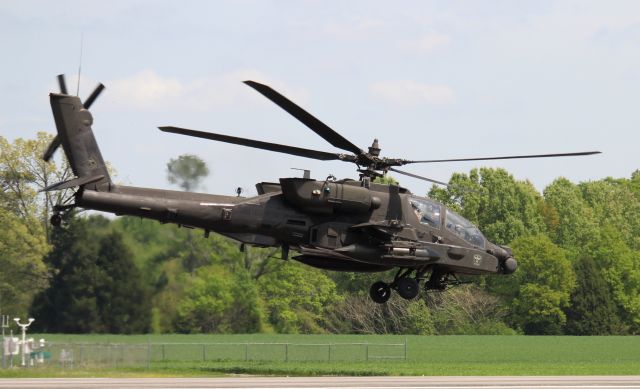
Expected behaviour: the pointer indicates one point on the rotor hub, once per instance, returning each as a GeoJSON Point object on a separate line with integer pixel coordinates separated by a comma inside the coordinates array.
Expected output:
{"type": "Point", "coordinates": [374, 149]}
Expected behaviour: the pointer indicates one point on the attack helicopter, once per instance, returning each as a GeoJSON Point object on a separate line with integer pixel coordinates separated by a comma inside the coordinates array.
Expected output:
{"type": "Point", "coordinates": [333, 224]}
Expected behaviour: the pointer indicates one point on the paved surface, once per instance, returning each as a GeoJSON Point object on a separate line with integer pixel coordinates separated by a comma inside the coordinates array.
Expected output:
{"type": "Point", "coordinates": [592, 382]}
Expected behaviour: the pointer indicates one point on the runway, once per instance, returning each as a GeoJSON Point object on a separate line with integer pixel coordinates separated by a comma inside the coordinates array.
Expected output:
{"type": "Point", "coordinates": [566, 382]}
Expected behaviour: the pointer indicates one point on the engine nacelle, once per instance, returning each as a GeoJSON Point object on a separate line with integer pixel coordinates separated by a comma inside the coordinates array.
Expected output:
{"type": "Point", "coordinates": [326, 197]}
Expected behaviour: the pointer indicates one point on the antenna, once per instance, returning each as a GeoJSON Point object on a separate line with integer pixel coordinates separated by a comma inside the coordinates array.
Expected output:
{"type": "Point", "coordinates": [80, 64]}
{"type": "Point", "coordinates": [306, 174]}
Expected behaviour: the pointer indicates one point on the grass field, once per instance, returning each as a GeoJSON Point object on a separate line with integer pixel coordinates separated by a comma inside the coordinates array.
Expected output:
{"type": "Point", "coordinates": [426, 355]}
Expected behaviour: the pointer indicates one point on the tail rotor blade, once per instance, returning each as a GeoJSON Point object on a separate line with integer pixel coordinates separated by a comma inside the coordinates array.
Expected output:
{"type": "Point", "coordinates": [62, 84]}
{"type": "Point", "coordinates": [53, 146]}
{"type": "Point", "coordinates": [93, 96]}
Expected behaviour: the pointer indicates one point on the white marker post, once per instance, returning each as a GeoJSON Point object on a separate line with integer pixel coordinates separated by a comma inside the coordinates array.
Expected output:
{"type": "Point", "coordinates": [5, 324]}
{"type": "Point", "coordinates": [24, 335]}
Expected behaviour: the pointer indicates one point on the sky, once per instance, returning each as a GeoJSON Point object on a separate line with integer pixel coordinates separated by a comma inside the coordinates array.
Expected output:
{"type": "Point", "coordinates": [429, 79]}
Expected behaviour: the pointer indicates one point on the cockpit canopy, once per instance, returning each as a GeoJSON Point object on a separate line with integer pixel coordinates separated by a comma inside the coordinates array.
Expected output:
{"type": "Point", "coordinates": [427, 211]}
{"type": "Point", "coordinates": [464, 229]}
{"type": "Point", "coordinates": [430, 213]}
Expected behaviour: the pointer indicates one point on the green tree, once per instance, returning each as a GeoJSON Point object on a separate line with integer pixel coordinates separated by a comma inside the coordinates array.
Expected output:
{"type": "Point", "coordinates": [96, 287]}
{"type": "Point", "coordinates": [218, 301]}
{"type": "Point", "coordinates": [257, 261]}
{"type": "Point", "coordinates": [500, 206]}
{"type": "Point", "coordinates": [575, 227]}
{"type": "Point", "coordinates": [69, 303]}
{"type": "Point", "coordinates": [541, 287]}
{"type": "Point", "coordinates": [160, 250]}
{"type": "Point", "coordinates": [615, 204]}
{"type": "Point", "coordinates": [634, 183]}
{"type": "Point", "coordinates": [187, 171]}
{"type": "Point", "coordinates": [621, 269]}
{"type": "Point", "coordinates": [122, 299]}
{"type": "Point", "coordinates": [386, 180]}
{"type": "Point", "coordinates": [23, 173]}
{"type": "Point", "coordinates": [149, 243]}
{"type": "Point", "coordinates": [176, 261]}
{"type": "Point", "coordinates": [22, 270]}
{"type": "Point", "coordinates": [592, 310]}
{"type": "Point", "coordinates": [539, 310]}
{"type": "Point", "coordinates": [297, 298]}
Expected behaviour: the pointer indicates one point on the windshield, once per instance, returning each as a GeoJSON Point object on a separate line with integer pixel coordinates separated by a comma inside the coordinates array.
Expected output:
{"type": "Point", "coordinates": [427, 211]}
{"type": "Point", "coordinates": [464, 229]}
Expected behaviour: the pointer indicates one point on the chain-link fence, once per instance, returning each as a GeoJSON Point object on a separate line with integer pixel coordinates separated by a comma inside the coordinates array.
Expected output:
{"type": "Point", "coordinates": [114, 355]}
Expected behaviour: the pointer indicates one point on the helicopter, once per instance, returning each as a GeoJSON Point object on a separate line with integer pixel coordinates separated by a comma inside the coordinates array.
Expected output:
{"type": "Point", "coordinates": [333, 224]}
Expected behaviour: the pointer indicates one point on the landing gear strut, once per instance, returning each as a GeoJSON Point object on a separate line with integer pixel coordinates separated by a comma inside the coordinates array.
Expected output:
{"type": "Point", "coordinates": [440, 280]}
{"type": "Point", "coordinates": [408, 287]}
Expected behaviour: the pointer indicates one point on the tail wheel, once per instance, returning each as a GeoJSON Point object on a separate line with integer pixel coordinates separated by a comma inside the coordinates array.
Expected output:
{"type": "Point", "coordinates": [380, 292]}
{"type": "Point", "coordinates": [407, 288]}
{"type": "Point", "coordinates": [55, 220]}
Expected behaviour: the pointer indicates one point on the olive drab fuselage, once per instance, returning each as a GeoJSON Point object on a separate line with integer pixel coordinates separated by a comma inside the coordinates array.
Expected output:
{"type": "Point", "coordinates": [335, 225]}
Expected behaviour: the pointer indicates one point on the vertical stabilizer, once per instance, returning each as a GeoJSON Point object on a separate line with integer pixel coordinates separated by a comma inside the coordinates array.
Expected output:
{"type": "Point", "coordinates": [73, 122]}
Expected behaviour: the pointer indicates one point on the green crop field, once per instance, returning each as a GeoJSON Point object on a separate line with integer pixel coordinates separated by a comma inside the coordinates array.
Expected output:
{"type": "Point", "coordinates": [184, 355]}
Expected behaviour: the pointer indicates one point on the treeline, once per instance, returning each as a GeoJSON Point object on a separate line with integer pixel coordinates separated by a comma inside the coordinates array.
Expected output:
{"type": "Point", "coordinates": [578, 247]}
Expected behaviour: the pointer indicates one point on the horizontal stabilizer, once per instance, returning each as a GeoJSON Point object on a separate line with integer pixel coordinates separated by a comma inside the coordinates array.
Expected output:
{"type": "Point", "coordinates": [73, 183]}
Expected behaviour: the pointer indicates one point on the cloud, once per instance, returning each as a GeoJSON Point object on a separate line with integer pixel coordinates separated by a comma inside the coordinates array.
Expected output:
{"type": "Point", "coordinates": [430, 42]}
{"type": "Point", "coordinates": [150, 91]}
{"type": "Point", "coordinates": [355, 26]}
{"type": "Point", "coordinates": [147, 89]}
{"type": "Point", "coordinates": [411, 92]}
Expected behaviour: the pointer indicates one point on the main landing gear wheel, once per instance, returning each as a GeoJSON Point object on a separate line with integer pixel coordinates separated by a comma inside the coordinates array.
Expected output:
{"type": "Point", "coordinates": [407, 288]}
{"type": "Point", "coordinates": [380, 292]}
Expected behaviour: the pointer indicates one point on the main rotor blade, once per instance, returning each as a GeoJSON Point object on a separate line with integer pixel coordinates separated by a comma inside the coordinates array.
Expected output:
{"type": "Point", "coordinates": [420, 177]}
{"type": "Point", "coordinates": [509, 157]}
{"type": "Point", "coordinates": [305, 117]}
{"type": "Point", "coordinates": [314, 154]}
{"type": "Point", "coordinates": [434, 181]}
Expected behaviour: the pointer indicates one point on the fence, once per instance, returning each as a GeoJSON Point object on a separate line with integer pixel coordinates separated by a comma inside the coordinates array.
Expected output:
{"type": "Point", "coordinates": [71, 355]}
